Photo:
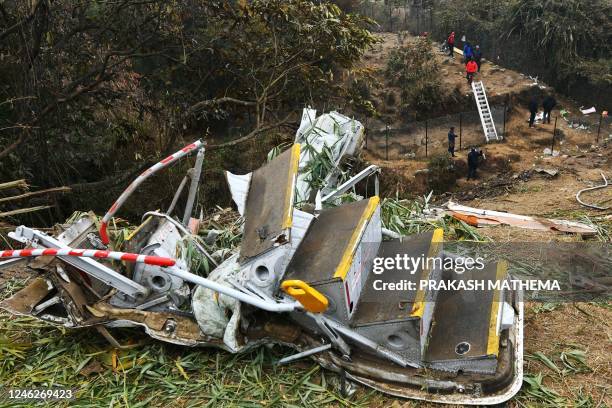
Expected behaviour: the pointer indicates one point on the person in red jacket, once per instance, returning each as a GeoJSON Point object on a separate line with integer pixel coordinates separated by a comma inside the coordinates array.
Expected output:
{"type": "Point", "coordinates": [470, 69]}
{"type": "Point", "coordinates": [450, 42]}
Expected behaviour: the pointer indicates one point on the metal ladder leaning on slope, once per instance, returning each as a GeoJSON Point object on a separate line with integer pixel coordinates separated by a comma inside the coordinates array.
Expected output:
{"type": "Point", "coordinates": [484, 111]}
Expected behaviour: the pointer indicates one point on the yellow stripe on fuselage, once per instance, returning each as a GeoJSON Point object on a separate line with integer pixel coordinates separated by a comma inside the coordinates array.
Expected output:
{"type": "Point", "coordinates": [349, 251]}
{"type": "Point", "coordinates": [493, 339]}
{"type": "Point", "coordinates": [290, 189]}
{"type": "Point", "coordinates": [418, 307]}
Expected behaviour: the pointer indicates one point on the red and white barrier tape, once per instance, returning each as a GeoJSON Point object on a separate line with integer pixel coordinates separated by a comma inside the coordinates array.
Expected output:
{"type": "Point", "coordinates": [89, 253]}
{"type": "Point", "coordinates": [134, 184]}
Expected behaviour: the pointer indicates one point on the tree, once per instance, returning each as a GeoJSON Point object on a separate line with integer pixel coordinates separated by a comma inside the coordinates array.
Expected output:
{"type": "Point", "coordinates": [93, 91]}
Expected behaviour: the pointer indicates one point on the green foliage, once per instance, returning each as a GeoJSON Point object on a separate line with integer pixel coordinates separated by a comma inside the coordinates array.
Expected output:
{"type": "Point", "coordinates": [567, 39]}
{"type": "Point", "coordinates": [412, 68]}
{"type": "Point", "coordinates": [319, 166]}
{"type": "Point", "coordinates": [442, 175]}
{"type": "Point", "coordinates": [534, 389]}
{"type": "Point", "coordinates": [151, 374]}
{"type": "Point", "coordinates": [563, 30]}
{"type": "Point", "coordinates": [408, 217]}
{"type": "Point", "coordinates": [360, 98]}
{"type": "Point", "coordinates": [94, 90]}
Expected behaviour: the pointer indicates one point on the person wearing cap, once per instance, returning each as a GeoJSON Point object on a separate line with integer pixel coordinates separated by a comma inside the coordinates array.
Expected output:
{"type": "Point", "coordinates": [450, 41]}
{"type": "Point", "coordinates": [478, 56]}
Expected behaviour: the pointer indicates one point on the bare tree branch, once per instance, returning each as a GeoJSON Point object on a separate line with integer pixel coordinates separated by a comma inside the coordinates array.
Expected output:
{"type": "Point", "coordinates": [218, 101]}
{"type": "Point", "coordinates": [250, 135]}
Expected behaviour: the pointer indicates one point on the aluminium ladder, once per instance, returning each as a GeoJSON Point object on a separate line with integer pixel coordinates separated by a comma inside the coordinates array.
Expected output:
{"type": "Point", "coordinates": [486, 118]}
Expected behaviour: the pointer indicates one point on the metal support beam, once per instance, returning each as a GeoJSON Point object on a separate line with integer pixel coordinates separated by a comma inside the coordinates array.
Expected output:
{"type": "Point", "coordinates": [270, 306]}
{"type": "Point", "coordinates": [193, 188]}
{"type": "Point", "coordinates": [344, 187]}
{"type": "Point", "coordinates": [303, 354]}
{"type": "Point", "coordinates": [184, 230]}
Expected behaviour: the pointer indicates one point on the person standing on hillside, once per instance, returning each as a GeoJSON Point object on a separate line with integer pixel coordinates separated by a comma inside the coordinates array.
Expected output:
{"type": "Point", "coordinates": [468, 53]}
{"type": "Point", "coordinates": [470, 70]}
{"type": "Point", "coordinates": [533, 109]}
{"type": "Point", "coordinates": [478, 56]}
{"type": "Point", "coordinates": [473, 162]}
{"type": "Point", "coordinates": [450, 42]}
{"type": "Point", "coordinates": [451, 141]}
{"type": "Point", "coordinates": [549, 104]}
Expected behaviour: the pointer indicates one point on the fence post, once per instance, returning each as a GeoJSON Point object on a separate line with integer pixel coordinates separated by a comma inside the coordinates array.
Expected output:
{"type": "Point", "coordinates": [505, 109]}
{"type": "Point", "coordinates": [386, 142]}
{"type": "Point", "coordinates": [426, 136]}
{"type": "Point", "coordinates": [460, 128]}
{"type": "Point", "coordinates": [599, 126]}
{"type": "Point", "coordinates": [552, 148]}
{"type": "Point", "coordinates": [365, 133]}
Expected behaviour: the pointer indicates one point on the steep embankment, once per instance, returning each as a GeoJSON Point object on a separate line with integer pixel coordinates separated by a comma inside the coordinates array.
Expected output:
{"type": "Point", "coordinates": [580, 158]}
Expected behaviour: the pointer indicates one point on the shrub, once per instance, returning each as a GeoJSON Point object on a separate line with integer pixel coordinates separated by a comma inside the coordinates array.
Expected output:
{"type": "Point", "coordinates": [442, 175]}
{"type": "Point", "coordinates": [412, 68]}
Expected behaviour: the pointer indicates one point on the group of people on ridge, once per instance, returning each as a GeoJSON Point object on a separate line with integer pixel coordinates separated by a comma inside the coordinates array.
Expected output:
{"type": "Point", "coordinates": [472, 57]}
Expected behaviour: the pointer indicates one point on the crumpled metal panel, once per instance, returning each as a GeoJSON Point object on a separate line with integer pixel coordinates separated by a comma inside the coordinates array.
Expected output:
{"type": "Point", "coordinates": [334, 131]}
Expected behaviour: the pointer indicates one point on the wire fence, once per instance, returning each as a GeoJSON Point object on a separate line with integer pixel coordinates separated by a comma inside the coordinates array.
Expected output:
{"type": "Point", "coordinates": [430, 137]}
{"type": "Point", "coordinates": [598, 124]}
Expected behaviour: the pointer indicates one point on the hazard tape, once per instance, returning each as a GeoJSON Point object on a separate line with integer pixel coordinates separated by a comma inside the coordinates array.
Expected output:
{"type": "Point", "coordinates": [134, 184]}
{"type": "Point", "coordinates": [89, 253]}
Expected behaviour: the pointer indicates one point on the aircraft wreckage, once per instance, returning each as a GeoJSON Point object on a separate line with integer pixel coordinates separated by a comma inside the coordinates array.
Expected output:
{"type": "Point", "coordinates": [302, 277]}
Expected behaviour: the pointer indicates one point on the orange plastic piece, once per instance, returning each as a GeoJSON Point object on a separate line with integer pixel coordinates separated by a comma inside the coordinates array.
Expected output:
{"type": "Point", "coordinates": [468, 219]}
{"type": "Point", "coordinates": [312, 300]}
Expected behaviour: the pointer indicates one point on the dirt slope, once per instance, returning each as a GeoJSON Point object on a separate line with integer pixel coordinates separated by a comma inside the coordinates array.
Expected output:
{"type": "Point", "coordinates": [550, 329]}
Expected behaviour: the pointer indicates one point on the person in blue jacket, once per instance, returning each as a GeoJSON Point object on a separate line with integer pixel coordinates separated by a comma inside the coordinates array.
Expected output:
{"type": "Point", "coordinates": [468, 53]}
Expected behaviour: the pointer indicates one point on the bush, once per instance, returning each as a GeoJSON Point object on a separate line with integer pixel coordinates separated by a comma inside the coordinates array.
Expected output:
{"type": "Point", "coordinates": [412, 68]}
{"type": "Point", "coordinates": [442, 175]}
